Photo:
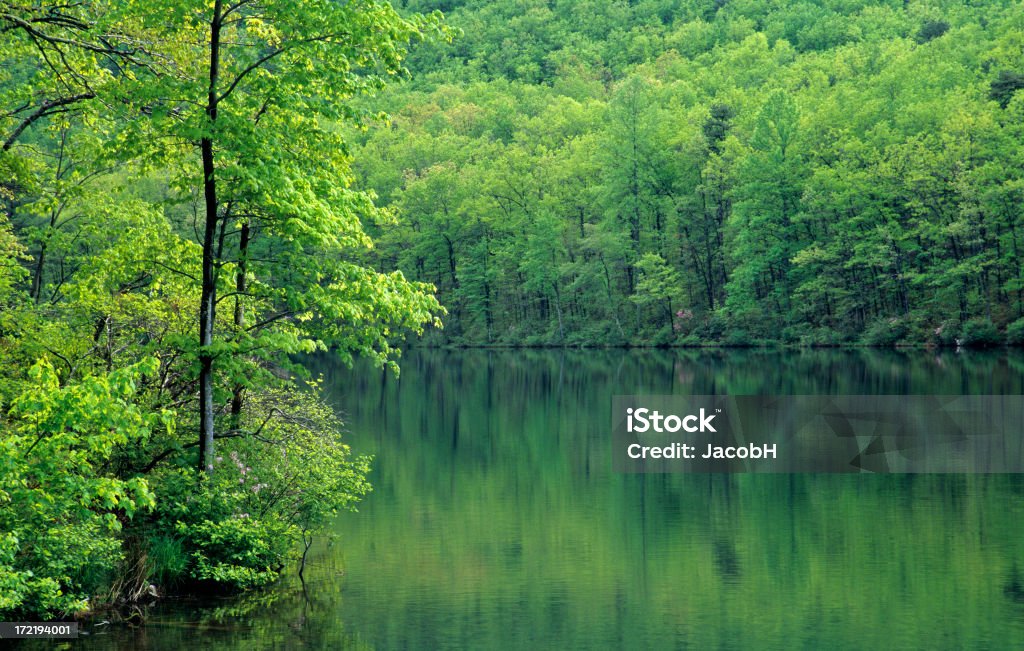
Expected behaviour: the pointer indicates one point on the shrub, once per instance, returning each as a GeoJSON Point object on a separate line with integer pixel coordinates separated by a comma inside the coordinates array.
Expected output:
{"type": "Point", "coordinates": [714, 326]}
{"type": "Point", "coordinates": [797, 334]}
{"type": "Point", "coordinates": [946, 333]}
{"type": "Point", "coordinates": [61, 512]}
{"type": "Point", "coordinates": [738, 338]}
{"type": "Point", "coordinates": [238, 552]}
{"type": "Point", "coordinates": [822, 337]}
{"type": "Point", "coordinates": [689, 341]}
{"type": "Point", "coordinates": [663, 337]}
{"type": "Point", "coordinates": [979, 333]}
{"type": "Point", "coordinates": [885, 332]}
{"type": "Point", "coordinates": [1015, 333]}
{"type": "Point", "coordinates": [269, 489]}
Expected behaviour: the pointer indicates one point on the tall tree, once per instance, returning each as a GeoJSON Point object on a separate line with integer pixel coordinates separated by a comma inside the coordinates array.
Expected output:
{"type": "Point", "coordinates": [768, 199]}
{"type": "Point", "coordinates": [251, 119]}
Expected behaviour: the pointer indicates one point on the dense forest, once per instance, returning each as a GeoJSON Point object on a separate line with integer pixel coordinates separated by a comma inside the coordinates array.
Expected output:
{"type": "Point", "coordinates": [194, 195]}
{"type": "Point", "coordinates": [810, 172]}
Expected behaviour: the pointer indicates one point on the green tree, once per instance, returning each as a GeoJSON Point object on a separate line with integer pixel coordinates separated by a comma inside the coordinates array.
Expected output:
{"type": "Point", "coordinates": [768, 193]}
{"type": "Point", "coordinates": [659, 284]}
{"type": "Point", "coordinates": [252, 116]}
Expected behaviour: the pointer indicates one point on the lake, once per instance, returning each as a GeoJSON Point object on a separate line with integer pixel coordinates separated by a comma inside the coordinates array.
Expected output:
{"type": "Point", "coordinates": [496, 521]}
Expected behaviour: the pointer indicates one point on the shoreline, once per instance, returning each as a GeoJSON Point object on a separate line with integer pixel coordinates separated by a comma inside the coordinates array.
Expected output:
{"type": "Point", "coordinates": [709, 346]}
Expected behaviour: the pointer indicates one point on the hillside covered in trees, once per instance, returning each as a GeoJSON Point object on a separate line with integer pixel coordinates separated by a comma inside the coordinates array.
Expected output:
{"type": "Point", "coordinates": [699, 171]}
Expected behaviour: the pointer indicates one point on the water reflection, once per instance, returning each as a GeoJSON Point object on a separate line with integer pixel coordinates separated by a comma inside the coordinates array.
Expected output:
{"type": "Point", "coordinates": [496, 521]}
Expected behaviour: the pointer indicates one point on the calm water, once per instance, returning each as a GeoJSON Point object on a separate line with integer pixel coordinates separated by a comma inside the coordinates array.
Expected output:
{"type": "Point", "coordinates": [496, 521]}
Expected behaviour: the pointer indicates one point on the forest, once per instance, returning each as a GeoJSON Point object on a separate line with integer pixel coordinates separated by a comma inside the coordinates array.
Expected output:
{"type": "Point", "coordinates": [662, 172]}
{"type": "Point", "coordinates": [195, 196]}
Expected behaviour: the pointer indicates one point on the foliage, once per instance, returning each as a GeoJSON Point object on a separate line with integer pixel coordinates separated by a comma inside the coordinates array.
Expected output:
{"type": "Point", "coordinates": [800, 167]}
{"type": "Point", "coordinates": [947, 333]}
{"type": "Point", "coordinates": [177, 222]}
{"type": "Point", "coordinates": [886, 332]}
{"type": "Point", "coordinates": [1015, 332]}
{"type": "Point", "coordinates": [236, 552]}
{"type": "Point", "coordinates": [63, 507]}
{"type": "Point", "coordinates": [1005, 85]}
{"type": "Point", "coordinates": [980, 333]}
{"type": "Point", "coordinates": [201, 186]}
{"type": "Point", "coordinates": [270, 492]}
{"type": "Point", "coordinates": [931, 29]}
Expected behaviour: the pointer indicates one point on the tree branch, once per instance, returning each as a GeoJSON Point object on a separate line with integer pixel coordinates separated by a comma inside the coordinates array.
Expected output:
{"type": "Point", "coordinates": [48, 107]}
{"type": "Point", "coordinates": [267, 57]}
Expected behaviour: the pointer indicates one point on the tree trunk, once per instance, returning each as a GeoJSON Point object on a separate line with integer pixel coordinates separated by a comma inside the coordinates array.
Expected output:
{"type": "Point", "coordinates": [241, 286]}
{"type": "Point", "coordinates": [37, 277]}
{"type": "Point", "coordinates": [208, 297]}
{"type": "Point", "coordinates": [451, 262]}
{"type": "Point", "coordinates": [558, 311]}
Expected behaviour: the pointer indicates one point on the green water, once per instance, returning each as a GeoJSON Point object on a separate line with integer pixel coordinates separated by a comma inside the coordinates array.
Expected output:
{"type": "Point", "coordinates": [496, 521]}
